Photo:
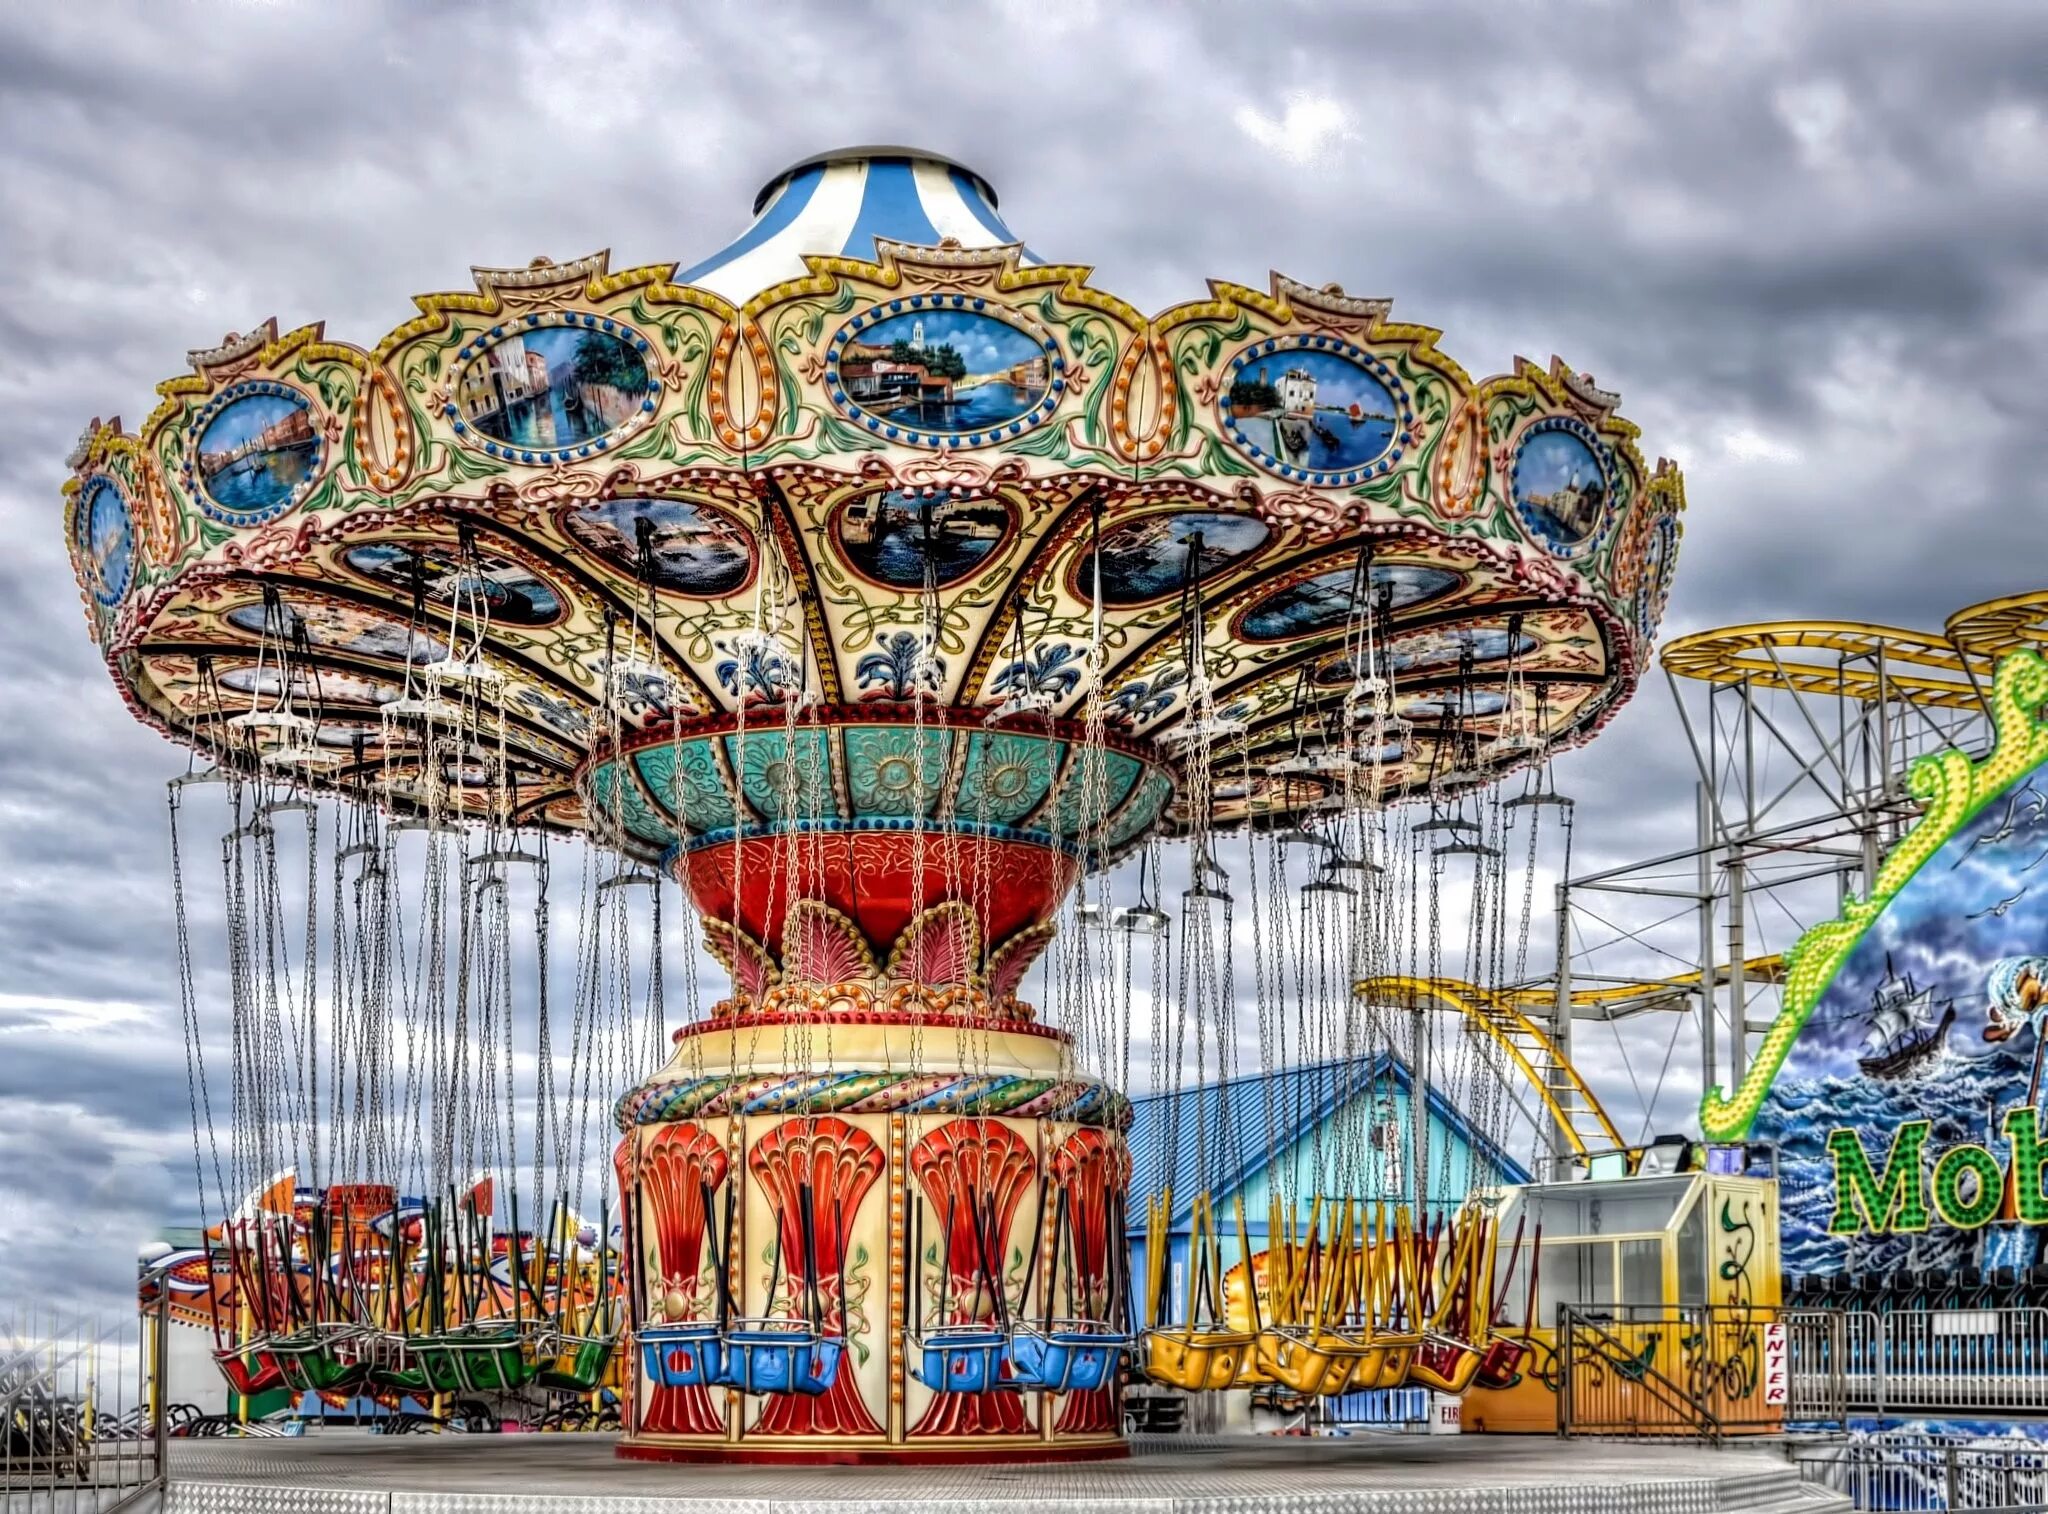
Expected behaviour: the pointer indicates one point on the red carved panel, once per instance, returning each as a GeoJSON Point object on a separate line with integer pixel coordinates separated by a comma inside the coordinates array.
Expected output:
{"type": "Point", "coordinates": [978, 1170]}
{"type": "Point", "coordinates": [839, 1163]}
{"type": "Point", "coordinates": [869, 876]}
{"type": "Point", "coordinates": [677, 1162]}
{"type": "Point", "coordinates": [1093, 1169]}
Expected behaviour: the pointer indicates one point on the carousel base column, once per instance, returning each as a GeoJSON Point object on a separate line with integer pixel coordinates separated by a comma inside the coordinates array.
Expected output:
{"type": "Point", "coordinates": [872, 1183]}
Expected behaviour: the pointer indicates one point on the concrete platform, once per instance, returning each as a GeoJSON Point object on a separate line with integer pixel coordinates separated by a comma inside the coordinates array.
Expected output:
{"type": "Point", "coordinates": [350, 1472]}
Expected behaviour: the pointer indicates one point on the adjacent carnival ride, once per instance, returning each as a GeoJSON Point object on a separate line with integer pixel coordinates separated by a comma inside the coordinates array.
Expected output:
{"type": "Point", "coordinates": [898, 594]}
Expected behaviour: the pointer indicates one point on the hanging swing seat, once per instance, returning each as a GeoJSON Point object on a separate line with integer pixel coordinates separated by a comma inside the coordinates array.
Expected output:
{"type": "Point", "coordinates": [1196, 1360]}
{"type": "Point", "coordinates": [962, 1359]}
{"type": "Point", "coordinates": [484, 1356]}
{"type": "Point", "coordinates": [1072, 1356]}
{"type": "Point", "coordinates": [689, 1355]}
{"type": "Point", "coordinates": [1299, 1358]}
{"type": "Point", "coordinates": [1500, 1365]}
{"type": "Point", "coordinates": [780, 1356]}
{"type": "Point", "coordinates": [1381, 1362]}
{"type": "Point", "coordinates": [250, 1369]}
{"type": "Point", "coordinates": [1444, 1363]}
{"type": "Point", "coordinates": [390, 1363]}
{"type": "Point", "coordinates": [318, 1359]}
{"type": "Point", "coordinates": [573, 1363]}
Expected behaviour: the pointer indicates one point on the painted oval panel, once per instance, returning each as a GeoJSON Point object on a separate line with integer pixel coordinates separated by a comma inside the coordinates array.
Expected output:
{"type": "Point", "coordinates": [891, 537]}
{"type": "Point", "coordinates": [1320, 412]}
{"type": "Point", "coordinates": [1472, 704]}
{"type": "Point", "coordinates": [699, 551]}
{"type": "Point", "coordinates": [554, 386]}
{"type": "Point", "coordinates": [1561, 487]}
{"type": "Point", "coordinates": [344, 628]}
{"type": "Point", "coordinates": [950, 371]}
{"type": "Point", "coordinates": [257, 451]}
{"type": "Point", "coordinates": [1655, 588]}
{"type": "Point", "coordinates": [106, 541]}
{"type": "Point", "coordinates": [491, 584]}
{"type": "Point", "coordinates": [1326, 601]}
{"type": "Point", "coordinates": [1424, 650]}
{"type": "Point", "coordinates": [328, 687]}
{"type": "Point", "coordinates": [1147, 559]}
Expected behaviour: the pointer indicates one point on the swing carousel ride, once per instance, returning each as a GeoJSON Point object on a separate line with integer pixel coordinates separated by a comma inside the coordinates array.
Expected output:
{"type": "Point", "coordinates": [900, 595]}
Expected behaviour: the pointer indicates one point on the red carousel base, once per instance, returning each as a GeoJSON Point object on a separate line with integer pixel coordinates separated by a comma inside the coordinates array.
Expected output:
{"type": "Point", "coordinates": [877, 1455]}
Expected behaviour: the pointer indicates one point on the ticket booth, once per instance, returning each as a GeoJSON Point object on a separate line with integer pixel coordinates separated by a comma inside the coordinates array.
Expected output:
{"type": "Point", "coordinates": [1668, 1256]}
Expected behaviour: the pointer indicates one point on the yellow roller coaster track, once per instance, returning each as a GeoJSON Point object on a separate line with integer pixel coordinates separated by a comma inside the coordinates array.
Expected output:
{"type": "Point", "coordinates": [1573, 1108]}
{"type": "Point", "coordinates": [1841, 658]}
{"type": "Point", "coordinates": [1999, 626]}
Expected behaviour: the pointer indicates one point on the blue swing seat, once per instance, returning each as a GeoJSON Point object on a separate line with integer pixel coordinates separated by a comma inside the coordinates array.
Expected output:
{"type": "Point", "coordinates": [962, 1359]}
{"type": "Point", "coordinates": [1074, 1356]}
{"type": "Point", "coordinates": [690, 1355]}
{"type": "Point", "coordinates": [780, 1356]}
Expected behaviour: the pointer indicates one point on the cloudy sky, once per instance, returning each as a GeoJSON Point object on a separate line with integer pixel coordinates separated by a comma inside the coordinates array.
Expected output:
{"type": "Point", "coordinates": [1806, 242]}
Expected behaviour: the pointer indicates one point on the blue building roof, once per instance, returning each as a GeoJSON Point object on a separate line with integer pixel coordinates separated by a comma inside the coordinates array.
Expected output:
{"type": "Point", "coordinates": [1244, 1123]}
{"type": "Point", "coordinates": [838, 203]}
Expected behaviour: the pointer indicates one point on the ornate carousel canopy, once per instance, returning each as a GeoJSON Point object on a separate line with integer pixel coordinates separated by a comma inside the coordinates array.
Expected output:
{"type": "Point", "coordinates": [877, 579]}
{"type": "Point", "coordinates": [875, 462]}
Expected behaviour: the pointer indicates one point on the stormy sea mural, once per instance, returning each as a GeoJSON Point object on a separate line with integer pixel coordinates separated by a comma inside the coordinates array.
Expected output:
{"type": "Point", "coordinates": [1934, 1015]}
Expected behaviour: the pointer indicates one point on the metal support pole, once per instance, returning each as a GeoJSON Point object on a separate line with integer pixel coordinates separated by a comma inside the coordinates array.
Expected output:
{"type": "Point", "coordinates": [1710, 1052]}
{"type": "Point", "coordinates": [1561, 1029]}
{"type": "Point", "coordinates": [1738, 972]}
{"type": "Point", "coordinates": [160, 1382]}
{"type": "Point", "coordinates": [1418, 1114]}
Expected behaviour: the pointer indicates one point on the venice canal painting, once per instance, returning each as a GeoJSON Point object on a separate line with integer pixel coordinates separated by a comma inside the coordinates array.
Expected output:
{"type": "Point", "coordinates": [890, 537]}
{"type": "Point", "coordinates": [696, 550]}
{"type": "Point", "coordinates": [1149, 557]}
{"type": "Point", "coordinates": [1312, 410]}
{"type": "Point", "coordinates": [488, 585]}
{"type": "Point", "coordinates": [950, 370]}
{"type": "Point", "coordinates": [1326, 601]}
{"type": "Point", "coordinates": [554, 386]}
{"type": "Point", "coordinates": [1560, 487]}
{"type": "Point", "coordinates": [109, 541]}
{"type": "Point", "coordinates": [257, 451]}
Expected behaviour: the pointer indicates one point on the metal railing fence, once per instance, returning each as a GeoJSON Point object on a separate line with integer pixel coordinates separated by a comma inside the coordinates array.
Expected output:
{"type": "Point", "coordinates": [1910, 1473]}
{"type": "Point", "coordinates": [82, 1416]}
{"type": "Point", "coordinates": [1696, 1372]}
{"type": "Point", "coordinates": [1940, 1360]}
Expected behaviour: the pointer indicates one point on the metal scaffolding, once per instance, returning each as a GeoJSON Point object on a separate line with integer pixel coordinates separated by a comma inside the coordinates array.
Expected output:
{"type": "Point", "coordinates": [1802, 734]}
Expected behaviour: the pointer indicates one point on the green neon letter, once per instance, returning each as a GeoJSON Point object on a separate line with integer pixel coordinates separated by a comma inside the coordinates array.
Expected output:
{"type": "Point", "coordinates": [2023, 1133]}
{"type": "Point", "coordinates": [1949, 1203]}
{"type": "Point", "coordinates": [1896, 1202]}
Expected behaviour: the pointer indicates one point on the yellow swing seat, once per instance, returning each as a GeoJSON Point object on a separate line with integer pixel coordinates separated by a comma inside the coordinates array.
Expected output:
{"type": "Point", "coordinates": [1299, 1359]}
{"type": "Point", "coordinates": [1196, 1360]}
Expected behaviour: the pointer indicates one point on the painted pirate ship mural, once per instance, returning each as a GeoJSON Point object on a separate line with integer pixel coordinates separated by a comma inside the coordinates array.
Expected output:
{"type": "Point", "coordinates": [1903, 1083]}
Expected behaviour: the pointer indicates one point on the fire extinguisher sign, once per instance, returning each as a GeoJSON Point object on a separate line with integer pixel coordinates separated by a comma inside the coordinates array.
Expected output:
{"type": "Point", "coordinates": [1777, 1367]}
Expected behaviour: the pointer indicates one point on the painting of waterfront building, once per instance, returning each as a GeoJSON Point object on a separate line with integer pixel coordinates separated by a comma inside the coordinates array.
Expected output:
{"type": "Point", "coordinates": [108, 539]}
{"type": "Point", "coordinates": [343, 628]}
{"type": "Point", "coordinates": [1328, 600]}
{"type": "Point", "coordinates": [891, 537]}
{"type": "Point", "coordinates": [257, 451]}
{"type": "Point", "coordinates": [694, 549]}
{"type": "Point", "coordinates": [553, 386]}
{"type": "Point", "coordinates": [309, 688]}
{"type": "Point", "coordinates": [487, 584]}
{"type": "Point", "coordinates": [1314, 410]}
{"type": "Point", "coordinates": [951, 370]}
{"type": "Point", "coordinates": [1150, 557]}
{"type": "Point", "coordinates": [1560, 486]}
{"type": "Point", "coordinates": [1445, 648]}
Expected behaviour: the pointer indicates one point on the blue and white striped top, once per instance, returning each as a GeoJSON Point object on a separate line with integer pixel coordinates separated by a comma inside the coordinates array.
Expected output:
{"type": "Point", "coordinates": [838, 203]}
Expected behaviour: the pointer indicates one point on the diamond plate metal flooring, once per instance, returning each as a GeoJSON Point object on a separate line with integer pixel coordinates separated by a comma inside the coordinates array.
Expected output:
{"type": "Point", "coordinates": [349, 1472]}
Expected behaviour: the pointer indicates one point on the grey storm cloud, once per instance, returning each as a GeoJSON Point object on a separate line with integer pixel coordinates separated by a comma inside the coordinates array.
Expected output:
{"type": "Point", "coordinates": [1807, 244]}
